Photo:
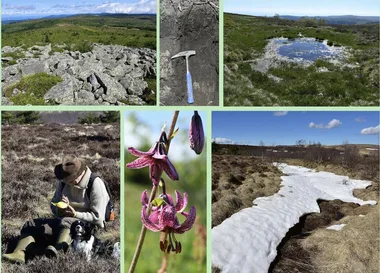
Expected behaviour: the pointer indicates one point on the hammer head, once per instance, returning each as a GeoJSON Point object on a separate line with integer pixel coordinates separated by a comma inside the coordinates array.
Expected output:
{"type": "Point", "coordinates": [185, 54]}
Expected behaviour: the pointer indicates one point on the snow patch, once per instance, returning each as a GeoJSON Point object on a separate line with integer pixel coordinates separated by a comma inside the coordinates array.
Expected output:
{"type": "Point", "coordinates": [336, 227]}
{"type": "Point", "coordinates": [247, 241]}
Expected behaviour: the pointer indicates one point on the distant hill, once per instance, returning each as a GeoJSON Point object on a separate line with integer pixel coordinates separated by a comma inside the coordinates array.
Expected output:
{"type": "Point", "coordinates": [64, 117]}
{"type": "Point", "coordinates": [338, 19]}
{"type": "Point", "coordinates": [134, 30]}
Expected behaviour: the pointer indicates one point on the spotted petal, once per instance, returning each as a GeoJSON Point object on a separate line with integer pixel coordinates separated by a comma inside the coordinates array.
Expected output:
{"type": "Point", "coordinates": [189, 222]}
{"type": "Point", "coordinates": [147, 222]}
{"type": "Point", "coordinates": [168, 216]}
{"type": "Point", "coordinates": [155, 172]}
{"type": "Point", "coordinates": [181, 202]}
{"type": "Point", "coordinates": [139, 153]}
{"type": "Point", "coordinates": [140, 162]}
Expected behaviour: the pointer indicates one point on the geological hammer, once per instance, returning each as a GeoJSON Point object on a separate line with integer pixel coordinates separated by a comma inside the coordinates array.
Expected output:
{"type": "Point", "coordinates": [189, 82]}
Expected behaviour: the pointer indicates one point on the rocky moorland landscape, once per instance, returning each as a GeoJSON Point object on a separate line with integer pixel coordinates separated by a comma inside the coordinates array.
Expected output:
{"type": "Point", "coordinates": [106, 75]}
{"type": "Point", "coordinates": [101, 59]}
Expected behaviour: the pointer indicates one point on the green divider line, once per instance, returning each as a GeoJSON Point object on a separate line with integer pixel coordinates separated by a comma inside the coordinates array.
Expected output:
{"type": "Point", "coordinates": [221, 53]}
{"type": "Point", "coordinates": [209, 181]}
{"type": "Point", "coordinates": [122, 193]}
{"type": "Point", "coordinates": [158, 23]}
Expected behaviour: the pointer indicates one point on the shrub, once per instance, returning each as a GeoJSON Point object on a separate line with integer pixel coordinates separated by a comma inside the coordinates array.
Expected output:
{"type": "Point", "coordinates": [26, 117]}
{"type": "Point", "coordinates": [33, 88]}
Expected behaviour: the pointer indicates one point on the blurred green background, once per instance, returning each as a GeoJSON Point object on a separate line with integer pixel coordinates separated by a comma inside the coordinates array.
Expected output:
{"type": "Point", "coordinates": [141, 130]}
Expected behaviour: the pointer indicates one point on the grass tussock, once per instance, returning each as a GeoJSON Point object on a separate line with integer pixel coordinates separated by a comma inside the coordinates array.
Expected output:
{"type": "Point", "coordinates": [33, 88]}
{"type": "Point", "coordinates": [237, 181]}
{"type": "Point", "coordinates": [354, 249]}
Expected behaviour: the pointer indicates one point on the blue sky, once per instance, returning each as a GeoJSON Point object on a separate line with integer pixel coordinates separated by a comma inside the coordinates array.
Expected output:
{"type": "Point", "coordinates": [50, 7]}
{"type": "Point", "coordinates": [149, 129]}
{"type": "Point", "coordinates": [299, 7]}
{"type": "Point", "coordinates": [285, 128]}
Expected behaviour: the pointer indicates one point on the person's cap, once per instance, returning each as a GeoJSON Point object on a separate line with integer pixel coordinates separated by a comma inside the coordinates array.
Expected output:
{"type": "Point", "coordinates": [70, 168]}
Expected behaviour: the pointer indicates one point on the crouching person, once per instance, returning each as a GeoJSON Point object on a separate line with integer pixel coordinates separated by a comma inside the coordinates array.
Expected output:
{"type": "Point", "coordinates": [74, 177]}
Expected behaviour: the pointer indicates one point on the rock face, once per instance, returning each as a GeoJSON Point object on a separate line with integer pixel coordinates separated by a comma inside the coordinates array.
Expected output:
{"type": "Point", "coordinates": [189, 26]}
{"type": "Point", "coordinates": [108, 75]}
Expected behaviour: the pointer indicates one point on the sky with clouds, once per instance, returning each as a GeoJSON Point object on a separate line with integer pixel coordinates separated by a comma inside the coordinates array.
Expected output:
{"type": "Point", "coordinates": [149, 126]}
{"type": "Point", "coordinates": [54, 7]}
{"type": "Point", "coordinates": [285, 128]}
{"type": "Point", "coordinates": [301, 7]}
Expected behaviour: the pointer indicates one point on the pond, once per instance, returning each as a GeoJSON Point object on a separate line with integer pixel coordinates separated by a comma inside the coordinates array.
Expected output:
{"type": "Point", "coordinates": [304, 48]}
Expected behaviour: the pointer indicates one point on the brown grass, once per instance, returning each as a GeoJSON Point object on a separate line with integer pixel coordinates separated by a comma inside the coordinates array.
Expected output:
{"type": "Point", "coordinates": [237, 181]}
{"type": "Point", "coordinates": [29, 154]}
{"type": "Point", "coordinates": [354, 249]}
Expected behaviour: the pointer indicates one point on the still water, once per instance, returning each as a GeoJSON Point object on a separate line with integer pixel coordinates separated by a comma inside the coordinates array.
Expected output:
{"type": "Point", "coordinates": [307, 49]}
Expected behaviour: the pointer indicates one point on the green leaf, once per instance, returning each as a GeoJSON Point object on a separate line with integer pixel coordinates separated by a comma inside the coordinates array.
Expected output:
{"type": "Point", "coordinates": [158, 202]}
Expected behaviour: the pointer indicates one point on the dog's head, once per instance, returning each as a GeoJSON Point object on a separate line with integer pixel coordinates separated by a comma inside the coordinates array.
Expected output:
{"type": "Point", "coordinates": [81, 229]}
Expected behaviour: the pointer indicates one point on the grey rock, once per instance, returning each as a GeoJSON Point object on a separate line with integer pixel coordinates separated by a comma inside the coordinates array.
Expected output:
{"type": "Point", "coordinates": [120, 70]}
{"type": "Point", "coordinates": [63, 92]}
{"type": "Point", "coordinates": [98, 93]}
{"type": "Point", "coordinates": [133, 58]}
{"type": "Point", "coordinates": [108, 98]}
{"type": "Point", "coordinates": [111, 86]}
{"type": "Point", "coordinates": [134, 86]}
{"type": "Point", "coordinates": [16, 92]}
{"type": "Point", "coordinates": [33, 66]}
{"type": "Point", "coordinates": [86, 95]}
{"type": "Point", "coordinates": [87, 86]}
{"type": "Point", "coordinates": [6, 101]}
{"type": "Point", "coordinates": [110, 70]}
{"type": "Point", "coordinates": [135, 100]}
{"type": "Point", "coordinates": [6, 59]}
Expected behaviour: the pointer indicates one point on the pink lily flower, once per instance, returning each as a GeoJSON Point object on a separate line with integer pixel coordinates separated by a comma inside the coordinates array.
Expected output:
{"type": "Point", "coordinates": [157, 160]}
{"type": "Point", "coordinates": [163, 219]}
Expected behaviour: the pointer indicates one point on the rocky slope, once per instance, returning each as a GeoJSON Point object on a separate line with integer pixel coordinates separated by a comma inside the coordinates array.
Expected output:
{"type": "Point", "coordinates": [108, 75]}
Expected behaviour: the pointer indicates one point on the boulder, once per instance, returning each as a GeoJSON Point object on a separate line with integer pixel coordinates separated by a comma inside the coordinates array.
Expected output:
{"type": "Point", "coordinates": [109, 98]}
{"type": "Point", "coordinates": [33, 66]}
{"type": "Point", "coordinates": [111, 86]}
{"type": "Point", "coordinates": [63, 92]}
{"type": "Point", "coordinates": [86, 95]}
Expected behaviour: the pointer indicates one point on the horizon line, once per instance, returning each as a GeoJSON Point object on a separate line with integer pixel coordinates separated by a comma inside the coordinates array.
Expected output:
{"type": "Point", "coordinates": [252, 14]}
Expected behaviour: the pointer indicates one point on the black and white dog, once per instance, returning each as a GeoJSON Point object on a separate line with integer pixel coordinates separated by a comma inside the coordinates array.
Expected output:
{"type": "Point", "coordinates": [84, 240]}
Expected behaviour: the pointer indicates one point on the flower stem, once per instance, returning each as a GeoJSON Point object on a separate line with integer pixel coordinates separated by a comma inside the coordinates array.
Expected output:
{"type": "Point", "coordinates": [151, 197]}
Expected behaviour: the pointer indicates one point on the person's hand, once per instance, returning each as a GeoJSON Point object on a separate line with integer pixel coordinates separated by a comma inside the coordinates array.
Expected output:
{"type": "Point", "coordinates": [69, 212]}
{"type": "Point", "coordinates": [65, 199]}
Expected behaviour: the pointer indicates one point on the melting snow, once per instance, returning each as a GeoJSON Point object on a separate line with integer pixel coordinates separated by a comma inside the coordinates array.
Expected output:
{"type": "Point", "coordinates": [336, 227]}
{"type": "Point", "coordinates": [247, 241]}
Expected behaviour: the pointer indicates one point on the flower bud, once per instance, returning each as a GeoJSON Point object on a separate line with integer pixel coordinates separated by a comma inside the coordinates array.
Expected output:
{"type": "Point", "coordinates": [196, 134]}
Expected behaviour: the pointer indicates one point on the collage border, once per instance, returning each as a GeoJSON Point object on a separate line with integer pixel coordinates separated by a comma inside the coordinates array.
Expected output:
{"type": "Point", "coordinates": [208, 110]}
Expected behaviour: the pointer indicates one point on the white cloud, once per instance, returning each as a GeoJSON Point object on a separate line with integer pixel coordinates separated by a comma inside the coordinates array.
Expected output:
{"type": "Point", "coordinates": [371, 130]}
{"type": "Point", "coordinates": [131, 7]}
{"type": "Point", "coordinates": [222, 140]}
{"type": "Point", "coordinates": [313, 125]}
{"type": "Point", "coordinates": [143, 6]}
{"type": "Point", "coordinates": [334, 123]}
{"type": "Point", "coordinates": [19, 7]}
{"type": "Point", "coordinates": [280, 113]}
